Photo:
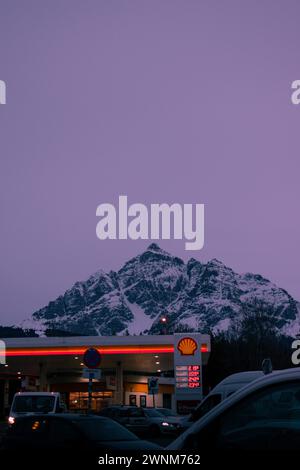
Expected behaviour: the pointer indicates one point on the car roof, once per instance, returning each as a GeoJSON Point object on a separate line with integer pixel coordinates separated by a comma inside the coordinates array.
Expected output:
{"type": "Point", "coordinates": [238, 378]}
{"type": "Point", "coordinates": [276, 377]}
{"type": "Point", "coordinates": [122, 407]}
{"type": "Point", "coordinates": [69, 416]}
{"type": "Point", "coordinates": [47, 394]}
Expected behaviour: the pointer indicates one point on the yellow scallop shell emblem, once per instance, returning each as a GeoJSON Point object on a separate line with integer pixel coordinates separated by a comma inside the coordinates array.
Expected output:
{"type": "Point", "coordinates": [187, 346]}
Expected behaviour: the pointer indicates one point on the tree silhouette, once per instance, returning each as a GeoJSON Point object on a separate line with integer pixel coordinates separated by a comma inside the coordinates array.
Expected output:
{"type": "Point", "coordinates": [256, 337]}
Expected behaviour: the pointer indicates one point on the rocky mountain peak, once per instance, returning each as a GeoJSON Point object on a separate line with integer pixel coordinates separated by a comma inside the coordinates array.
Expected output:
{"type": "Point", "coordinates": [207, 297]}
{"type": "Point", "coordinates": [154, 247]}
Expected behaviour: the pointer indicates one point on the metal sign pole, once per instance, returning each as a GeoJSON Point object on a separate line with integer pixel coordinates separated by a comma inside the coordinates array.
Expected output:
{"type": "Point", "coordinates": [91, 359]}
{"type": "Point", "coordinates": [90, 389]}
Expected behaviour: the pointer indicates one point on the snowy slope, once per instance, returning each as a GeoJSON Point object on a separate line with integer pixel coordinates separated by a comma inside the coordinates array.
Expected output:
{"type": "Point", "coordinates": [209, 297]}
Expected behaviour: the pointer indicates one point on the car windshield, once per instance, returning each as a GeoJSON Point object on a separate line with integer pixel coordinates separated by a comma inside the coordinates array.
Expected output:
{"type": "Point", "coordinates": [105, 430]}
{"type": "Point", "coordinates": [153, 413]}
{"type": "Point", "coordinates": [33, 404]}
{"type": "Point", "coordinates": [166, 412]}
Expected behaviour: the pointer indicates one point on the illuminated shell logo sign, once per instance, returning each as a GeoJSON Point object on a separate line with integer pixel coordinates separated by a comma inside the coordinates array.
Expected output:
{"type": "Point", "coordinates": [187, 346]}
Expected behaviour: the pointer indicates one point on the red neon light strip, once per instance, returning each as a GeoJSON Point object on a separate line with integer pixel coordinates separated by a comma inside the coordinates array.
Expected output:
{"type": "Point", "coordinates": [104, 351]}
{"type": "Point", "coordinates": [79, 351]}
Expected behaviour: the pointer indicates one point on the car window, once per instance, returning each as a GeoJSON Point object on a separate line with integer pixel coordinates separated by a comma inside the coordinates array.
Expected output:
{"type": "Point", "coordinates": [30, 403]}
{"type": "Point", "coordinates": [153, 413]}
{"type": "Point", "coordinates": [123, 413]}
{"type": "Point", "coordinates": [136, 413]}
{"type": "Point", "coordinates": [208, 404]}
{"type": "Point", "coordinates": [268, 419]}
{"type": "Point", "coordinates": [167, 412]}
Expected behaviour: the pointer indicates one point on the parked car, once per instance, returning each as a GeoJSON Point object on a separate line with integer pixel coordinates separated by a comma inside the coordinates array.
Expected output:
{"type": "Point", "coordinates": [143, 420]}
{"type": "Point", "coordinates": [30, 403]}
{"type": "Point", "coordinates": [71, 431]}
{"type": "Point", "coordinates": [168, 412]}
{"type": "Point", "coordinates": [220, 392]}
{"type": "Point", "coordinates": [263, 415]}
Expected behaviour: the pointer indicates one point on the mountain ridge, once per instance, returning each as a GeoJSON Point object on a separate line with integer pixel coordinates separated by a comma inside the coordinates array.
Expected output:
{"type": "Point", "coordinates": [194, 296]}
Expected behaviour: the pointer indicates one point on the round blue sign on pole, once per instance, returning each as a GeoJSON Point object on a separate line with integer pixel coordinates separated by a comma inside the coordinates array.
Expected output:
{"type": "Point", "coordinates": [92, 358]}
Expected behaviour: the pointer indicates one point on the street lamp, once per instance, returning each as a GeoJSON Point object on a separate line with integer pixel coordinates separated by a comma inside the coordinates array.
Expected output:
{"type": "Point", "coordinates": [164, 322]}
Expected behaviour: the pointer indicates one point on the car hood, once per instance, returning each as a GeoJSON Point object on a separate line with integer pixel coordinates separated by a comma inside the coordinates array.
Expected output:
{"type": "Point", "coordinates": [131, 445]}
{"type": "Point", "coordinates": [174, 419]}
{"type": "Point", "coordinates": [165, 419]}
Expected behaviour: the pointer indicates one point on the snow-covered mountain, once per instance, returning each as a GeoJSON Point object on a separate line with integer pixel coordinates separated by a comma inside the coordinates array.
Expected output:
{"type": "Point", "coordinates": [193, 296]}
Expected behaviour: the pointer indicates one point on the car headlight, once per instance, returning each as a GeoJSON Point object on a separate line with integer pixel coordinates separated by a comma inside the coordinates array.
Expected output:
{"type": "Point", "coordinates": [11, 420]}
{"type": "Point", "coordinates": [164, 423]}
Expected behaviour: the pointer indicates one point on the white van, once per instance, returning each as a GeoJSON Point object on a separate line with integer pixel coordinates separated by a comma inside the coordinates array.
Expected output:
{"type": "Point", "coordinates": [220, 392]}
{"type": "Point", "coordinates": [30, 403]}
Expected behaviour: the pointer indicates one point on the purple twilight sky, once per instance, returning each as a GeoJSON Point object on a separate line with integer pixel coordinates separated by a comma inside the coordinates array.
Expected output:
{"type": "Point", "coordinates": [162, 100]}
